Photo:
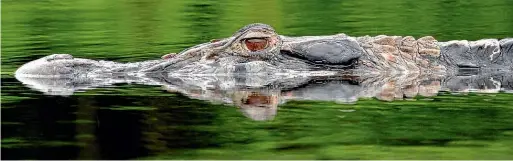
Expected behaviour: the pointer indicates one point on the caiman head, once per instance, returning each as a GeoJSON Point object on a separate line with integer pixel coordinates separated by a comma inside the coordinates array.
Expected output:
{"type": "Point", "coordinates": [257, 48]}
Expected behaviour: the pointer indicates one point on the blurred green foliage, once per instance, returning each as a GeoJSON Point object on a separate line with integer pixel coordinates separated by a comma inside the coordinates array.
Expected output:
{"type": "Point", "coordinates": [138, 30]}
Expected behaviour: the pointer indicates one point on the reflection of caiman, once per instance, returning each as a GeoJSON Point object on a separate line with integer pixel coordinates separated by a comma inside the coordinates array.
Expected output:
{"type": "Point", "coordinates": [258, 96]}
{"type": "Point", "coordinates": [258, 49]}
{"type": "Point", "coordinates": [256, 69]}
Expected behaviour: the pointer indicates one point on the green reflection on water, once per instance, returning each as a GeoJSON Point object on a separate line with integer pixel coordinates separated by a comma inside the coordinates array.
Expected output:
{"type": "Point", "coordinates": [171, 126]}
{"type": "Point", "coordinates": [397, 130]}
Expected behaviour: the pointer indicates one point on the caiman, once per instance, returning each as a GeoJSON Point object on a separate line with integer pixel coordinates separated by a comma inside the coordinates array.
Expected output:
{"type": "Point", "coordinates": [256, 69]}
{"type": "Point", "coordinates": [258, 49]}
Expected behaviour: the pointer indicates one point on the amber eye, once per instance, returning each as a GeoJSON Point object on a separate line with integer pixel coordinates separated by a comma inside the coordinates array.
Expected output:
{"type": "Point", "coordinates": [256, 44]}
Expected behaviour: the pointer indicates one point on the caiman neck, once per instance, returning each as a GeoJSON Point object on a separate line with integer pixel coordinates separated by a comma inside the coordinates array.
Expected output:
{"type": "Point", "coordinates": [400, 54]}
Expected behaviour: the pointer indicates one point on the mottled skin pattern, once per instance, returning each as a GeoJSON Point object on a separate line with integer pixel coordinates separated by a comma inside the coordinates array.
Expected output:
{"type": "Point", "coordinates": [397, 54]}
{"type": "Point", "coordinates": [325, 55]}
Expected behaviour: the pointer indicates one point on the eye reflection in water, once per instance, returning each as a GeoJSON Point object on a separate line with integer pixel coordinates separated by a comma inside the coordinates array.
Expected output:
{"type": "Point", "coordinates": [257, 105]}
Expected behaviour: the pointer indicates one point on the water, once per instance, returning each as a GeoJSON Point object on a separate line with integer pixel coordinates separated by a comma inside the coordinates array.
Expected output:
{"type": "Point", "coordinates": [134, 121]}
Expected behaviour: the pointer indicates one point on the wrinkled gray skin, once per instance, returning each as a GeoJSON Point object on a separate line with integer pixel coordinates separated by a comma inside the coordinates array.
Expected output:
{"type": "Point", "coordinates": [385, 67]}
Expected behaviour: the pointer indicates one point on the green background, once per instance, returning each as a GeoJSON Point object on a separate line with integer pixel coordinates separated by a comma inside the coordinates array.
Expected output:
{"type": "Point", "coordinates": [135, 121]}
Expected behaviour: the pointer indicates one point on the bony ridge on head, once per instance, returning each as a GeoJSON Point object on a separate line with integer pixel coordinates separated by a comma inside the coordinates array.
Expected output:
{"type": "Point", "coordinates": [255, 41]}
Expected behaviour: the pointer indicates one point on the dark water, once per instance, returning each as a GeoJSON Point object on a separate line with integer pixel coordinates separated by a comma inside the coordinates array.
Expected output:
{"type": "Point", "coordinates": [131, 121]}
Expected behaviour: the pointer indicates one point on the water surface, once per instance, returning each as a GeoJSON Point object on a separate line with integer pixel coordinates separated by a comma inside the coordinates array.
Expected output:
{"type": "Point", "coordinates": [135, 121]}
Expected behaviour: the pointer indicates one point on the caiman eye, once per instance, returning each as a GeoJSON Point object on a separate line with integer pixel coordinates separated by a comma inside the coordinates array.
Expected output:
{"type": "Point", "coordinates": [255, 44]}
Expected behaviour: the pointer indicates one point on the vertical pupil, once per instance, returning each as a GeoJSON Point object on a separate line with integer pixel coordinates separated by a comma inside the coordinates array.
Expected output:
{"type": "Point", "coordinates": [256, 44]}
